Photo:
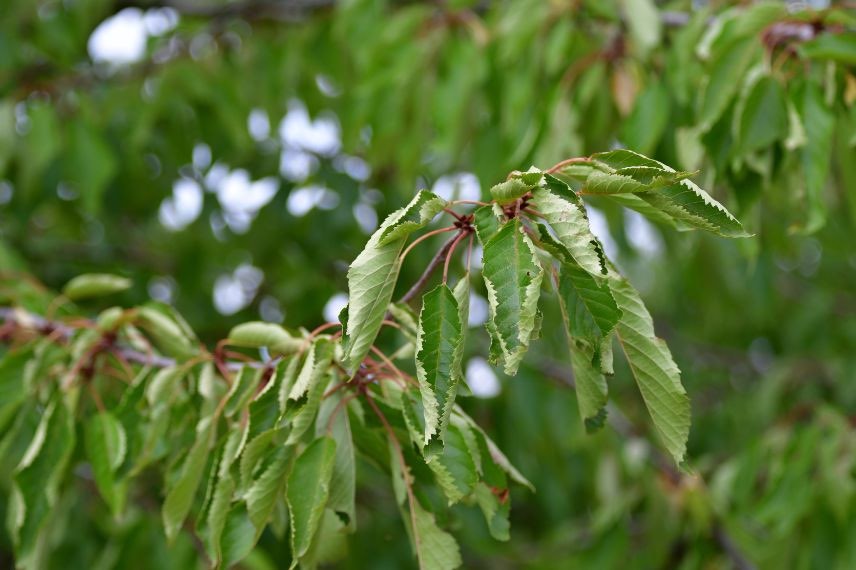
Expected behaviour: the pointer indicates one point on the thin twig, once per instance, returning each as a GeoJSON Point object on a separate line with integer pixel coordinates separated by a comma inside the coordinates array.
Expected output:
{"type": "Point", "coordinates": [449, 253]}
{"type": "Point", "coordinates": [423, 237]}
{"type": "Point", "coordinates": [426, 275]}
{"type": "Point", "coordinates": [558, 166]}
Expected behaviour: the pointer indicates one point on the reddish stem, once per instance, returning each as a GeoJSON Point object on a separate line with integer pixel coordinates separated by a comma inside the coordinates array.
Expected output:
{"type": "Point", "coordinates": [424, 237]}
{"type": "Point", "coordinates": [449, 255]}
{"type": "Point", "coordinates": [558, 166]}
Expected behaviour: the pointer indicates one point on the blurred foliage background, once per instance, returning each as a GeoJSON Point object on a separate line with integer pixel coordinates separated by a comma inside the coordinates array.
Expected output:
{"type": "Point", "coordinates": [232, 157]}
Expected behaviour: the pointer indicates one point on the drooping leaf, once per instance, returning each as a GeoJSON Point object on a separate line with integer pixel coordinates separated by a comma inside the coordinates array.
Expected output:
{"type": "Point", "coordinates": [287, 370]}
{"type": "Point", "coordinates": [436, 548]}
{"type": "Point", "coordinates": [37, 478]}
{"type": "Point", "coordinates": [725, 78]}
{"type": "Point", "coordinates": [649, 119]}
{"type": "Point", "coordinates": [652, 365]}
{"type": "Point", "coordinates": [302, 416]}
{"type": "Point", "coordinates": [179, 497]}
{"type": "Point", "coordinates": [819, 124]}
{"type": "Point", "coordinates": [566, 214]}
{"type": "Point", "coordinates": [106, 445]}
{"type": "Point", "coordinates": [371, 283]}
{"type": "Point", "coordinates": [308, 491]}
{"type": "Point", "coordinates": [764, 115]}
{"type": "Point", "coordinates": [512, 276]}
{"type": "Point", "coordinates": [221, 508]}
{"type": "Point", "coordinates": [95, 285]}
{"type": "Point", "coordinates": [438, 365]}
{"type": "Point", "coordinates": [243, 388]}
{"type": "Point", "coordinates": [333, 420]}
{"type": "Point", "coordinates": [13, 387]}
{"type": "Point", "coordinates": [263, 493]}
{"type": "Point", "coordinates": [839, 47]}
{"type": "Point", "coordinates": [314, 367]}
{"type": "Point", "coordinates": [454, 467]}
{"type": "Point", "coordinates": [590, 314]}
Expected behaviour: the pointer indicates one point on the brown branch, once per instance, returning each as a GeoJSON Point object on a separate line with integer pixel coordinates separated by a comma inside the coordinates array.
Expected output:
{"type": "Point", "coordinates": [439, 257]}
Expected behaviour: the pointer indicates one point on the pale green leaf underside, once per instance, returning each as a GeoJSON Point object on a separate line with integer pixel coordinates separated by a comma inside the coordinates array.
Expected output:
{"type": "Point", "coordinates": [372, 275]}
{"type": "Point", "coordinates": [590, 314]}
{"type": "Point", "coordinates": [421, 210]}
{"type": "Point", "coordinates": [566, 214]}
{"type": "Point", "coordinates": [689, 204]}
{"type": "Point", "coordinates": [106, 444]}
{"type": "Point", "coordinates": [437, 549]}
{"type": "Point", "coordinates": [655, 371]}
{"type": "Point", "coordinates": [308, 490]}
{"type": "Point", "coordinates": [512, 276]}
{"type": "Point", "coordinates": [438, 352]}
{"type": "Point", "coordinates": [180, 497]}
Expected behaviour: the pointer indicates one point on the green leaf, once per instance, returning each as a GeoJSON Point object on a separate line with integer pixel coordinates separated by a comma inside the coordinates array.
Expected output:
{"type": "Point", "coordinates": [819, 122]}
{"type": "Point", "coordinates": [308, 491]}
{"type": "Point", "coordinates": [454, 468]}
{"type": "Point", "coordinates": [264, 491]}
{"type": "Point", "coordinates": [333, 420]}
{"type": "Point", "coordinates": [37, 478]}
{"type": "Point", "coordinates": [39, 147]}
{"type": "Point", "coordinates": [840, 47]}
{"type": "Point", "coordinates": [314, 367]}
{"type": "Point", "coordinates": [287, 371]}
{"type": "Point", "coordinates": [180, 496]}
{"type": "Point", "coordinates": [764, 116]}
{"type": "Point", "coordinates": [221, 511]}
{"type": "Point", "coordinates": [512, 276]}
{"type": "Point", "coordinates": [167, 333]}
{"type": "Point", "coordinates": [371, 283]}
{"type": "Point", "coordinates": [302, 416]}
{"type": "Point", "coordinates": [106, 445]}
{"type": "Point", "coordinates": [690, 205]}
{"type": "Point", "coordinates": [566, 214]}
{"type": "Point", "coordinates": [438, 358]}
{"type": "Point", "coordinates": [649, 119]}
{"type": "Point", "coordinates": [261, 334]}
{"type": "Point", "coordinates": [495, 465]}
{"type": "Point", "coordinates": [623, 171]}
{"type": "Point", "coordinates": [725, 79]}
{"type": "Point", "coordinates": [416, 215]}
{"type": "Point", "coordinates": [436, 549]}
{"type": "Point", "coordinates": [644, 22]}
{"type": "Point", "coordinates": [13, 386]}
{"type": "Point", "coordinates": [655, 372]}
{"type": "Point", "coordinates": [243, 388]}
{"type": "Point", "coordinates": [95, 285]}
{"type": "Point", "coordinates": [495, 511]}
{"type": "Point", "coordinates": [510, 190]}
{"type": "Point", "coordinates": [590, 314]}
{"type": "Point", "coordinates": [487, 221]}
{"type": "Point", "coordinates": [162, 384]}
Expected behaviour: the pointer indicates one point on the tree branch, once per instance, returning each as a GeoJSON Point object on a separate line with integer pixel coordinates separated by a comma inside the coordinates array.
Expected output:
{"type": "Point", "coordinates": [439, 257]}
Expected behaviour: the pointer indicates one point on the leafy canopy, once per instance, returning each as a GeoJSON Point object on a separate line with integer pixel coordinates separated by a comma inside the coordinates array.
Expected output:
{"type": "Point", "coordinates": [242, 444]}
